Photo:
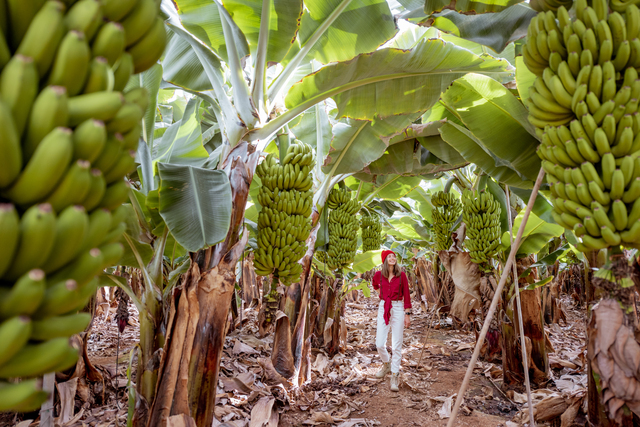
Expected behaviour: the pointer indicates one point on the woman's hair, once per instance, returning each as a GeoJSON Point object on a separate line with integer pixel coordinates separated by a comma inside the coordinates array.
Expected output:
{"type": "Point", "coordinates": [386, 269]}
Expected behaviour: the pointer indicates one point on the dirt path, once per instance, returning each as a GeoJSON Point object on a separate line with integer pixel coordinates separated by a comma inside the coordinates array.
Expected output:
{"type": "Point", "coordinates": [424, 389]}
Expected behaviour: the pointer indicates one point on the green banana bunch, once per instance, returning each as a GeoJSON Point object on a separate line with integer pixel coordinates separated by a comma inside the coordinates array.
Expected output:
{"type": "Point", "coordinates": [446, 212]}
{"type": "Point", "coordinates": [284, 222]}
{"type": "Point", "coordinates": [584, 104]}
{"type": "Point", "coordinates": [481, 215]}
{"type": "Point", "coordinates": [371, 229]}
{"type": "Point", "coordinates": [68, 138]}
{"type": "Point", "coordinates": [343, 229]}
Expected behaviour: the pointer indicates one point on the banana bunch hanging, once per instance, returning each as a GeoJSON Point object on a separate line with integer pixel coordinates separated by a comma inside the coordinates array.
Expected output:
{"type": "Point", "coordinates": [68, 137]}
{"type": "Point", "coordinates": [343, 229]}
{"type": "Point", "coordinates": [481, 215]}
{"type": "Point", "coordinates": [371, 232]}
{"type": "Point", "coordinates": [446, 212]}
{"type": "Point", "coordinates": [584, 103]}
{"type": "Point", "coordinates": [284, 222]}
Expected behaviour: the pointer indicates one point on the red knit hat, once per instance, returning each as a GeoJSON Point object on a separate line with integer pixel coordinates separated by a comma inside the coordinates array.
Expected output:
{"type": "Point", "coordinates": [385, 254]}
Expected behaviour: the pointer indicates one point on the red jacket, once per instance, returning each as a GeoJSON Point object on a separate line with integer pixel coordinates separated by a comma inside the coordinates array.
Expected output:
{"type": "Point", "coordinates": [394, 291]}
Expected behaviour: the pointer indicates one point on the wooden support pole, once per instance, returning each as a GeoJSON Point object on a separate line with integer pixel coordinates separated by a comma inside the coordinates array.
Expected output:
{"type": "Point", "coordinates": [523, 344]}
{"type": "Point", "coordinates": [494, 302]}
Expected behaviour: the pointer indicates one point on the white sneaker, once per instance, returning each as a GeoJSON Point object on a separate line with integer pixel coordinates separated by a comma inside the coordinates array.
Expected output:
{"type": "Point", "coordinates": [386, 368]}
{"type": "Point", "coordinates": [394, 382]}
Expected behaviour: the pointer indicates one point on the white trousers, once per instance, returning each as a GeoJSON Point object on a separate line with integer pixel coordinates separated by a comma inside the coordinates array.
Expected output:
{"type": "Point", "coordinates": [396, 324]}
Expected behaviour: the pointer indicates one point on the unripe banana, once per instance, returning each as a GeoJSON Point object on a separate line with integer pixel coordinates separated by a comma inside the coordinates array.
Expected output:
{"type": "Point", "coordinates": [59, 326]}
{"type": "Point", "coordinates": [44, 170]}
{"type": "Point", "coordinates": [71, 64]}
{"type": "Point", "coordinates": [110, 154]}
{"type": "Point", "coordinates": [137, 23]}
{"type": "Point", "coordinates": [101, 106]}
{"type": "Point", "coordinates": [149, 49]}
{"type": "Point", "coordinates": [122, 71]}
{"type": "Point", "coordinates": [37, 234]}
{"type": "Point", "coordinates": [24, 396]}
{"type": "Point", "coordinates": [125, 119]}
{"type": "Point", "coordinates": [14, 334]}
{"type": "Point", "coordinates": [44, 35]}
{"type": "Point", "coordinates": [50, 110]}
{"type": "Point", "coordinates": [71, 229]}
{"type": "Point", "coordinates": [109, 43]}
{"type": "Point", "coordinates": [36, 359]}
{"type": "Point", "coordinates": [138, 96]}
{"type": "Point", "coordinates": [115, 195]}
{"type": "Point", "coordinates": [85, 16]}
{"type": "Point", "coordinates": [100, 77]}
{"type": "Point", "coordinates": [25, 295]}
{"type": "Point", "coordinates": [9, 235]}
{"type": "Point", "coordinates": [99, 225]}
{"type": "Point", "coordinates": [11, 159]}
{"type": "Point", "coordinates": [88, 140]}
{"type": "Point", "coordinates": [115, 10]}
{"type": "Point", "coordinates": [19, 87]}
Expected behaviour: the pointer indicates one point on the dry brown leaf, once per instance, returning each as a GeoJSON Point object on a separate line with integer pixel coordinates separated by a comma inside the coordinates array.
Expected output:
{"type": "Point", "coordinates": [558, 363]}
{"type": "Point", "coordinates": [240, 347]}
{"type": "Point", "coordinates": [181, 420]}
{"type": "Point", "coordinates": [550, 408]}
{"type": "Point", "coordinates": [67, 392]}
{"type": "Point", "coordinates": [320, 364]}
{"type": "Point", "coordinates": [465, 346]}
{"type": "Point", "coordinates": [242, 382]}
{"type": "Point", "coordinates": [569, 416]}
{"type": "Point", "coordinates": [466, 277]}
{"type": "Point", "coordinates": [326, 334]}
{"type": "Point", "coordinates": [271, 376]}
{"type": "Point", "coordinates": [261, 412]}
{"type": "Point", "coordinates": [445, 411]}
{"type": "Point", "coordinates": [615, 357]}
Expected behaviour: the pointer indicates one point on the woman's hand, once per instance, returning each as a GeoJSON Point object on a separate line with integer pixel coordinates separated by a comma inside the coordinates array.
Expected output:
{"type": "Point", "coordinates": [407, 320]}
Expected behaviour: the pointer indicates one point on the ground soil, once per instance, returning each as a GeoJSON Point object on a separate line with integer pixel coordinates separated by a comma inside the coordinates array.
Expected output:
{"type": "Point", "coordinates": [423, 391]}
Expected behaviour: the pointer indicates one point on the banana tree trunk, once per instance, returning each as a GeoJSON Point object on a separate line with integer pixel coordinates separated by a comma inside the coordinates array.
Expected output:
{"type": "Point", "coordinates": [190, 364]}
{"type": "Point", "coordinates": [290, 344]}
{"type": "Point", "coordinates": [595, 409]}
{"type": "Point", "coordinates": [335, 312]}
{"type": "Point", "coordinates": [427, 286]}
{"type": "Point", "coordinates": [532, 320]}
{"type": "Point", "coordinates": [250, 290]}
{"type": "Point", "coordinates": [612, 346]}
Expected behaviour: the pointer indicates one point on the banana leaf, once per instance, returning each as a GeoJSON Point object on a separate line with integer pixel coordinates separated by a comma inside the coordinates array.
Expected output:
{"type": "Point", "coordinates": [363, 26]}
{"type": "Point", "coordinates": [366, 261]}
{"type": "Point", "coordinates": [182, 142]}
{"type": "Point", "coordinates": [498, 120]}
{"type": "Point", "coordinates": [195, 204]}
{"type": "Point", "coordinates": [409, 158]}
{"type": "Point", "coordinates": [524, 79]}
{"type": "Point", "coordinates": [357, 143]}
{"type": "Point", "coordinates": [369, 85]}
{"type": "Point", "coordinates": [423, 203]}
{"type": "Point", "coordinates": [471, 7]}
{"type": "Point", "coordinates": [471, 149]}
{"type": "Point", "coordinates": [495, 30]}
{"type": "Point", "coordinates": [541, 207]}
{"type": "Point", "coordinates": [202, 19]}
{"type": "Point", "coordinates": [284, 23]}
{"type": "Point", "coordinates": [537, 234]}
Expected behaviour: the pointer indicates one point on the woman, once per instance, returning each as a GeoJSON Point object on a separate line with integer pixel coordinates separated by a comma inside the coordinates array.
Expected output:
{"type": "Point", "coordinates": [394, 312]}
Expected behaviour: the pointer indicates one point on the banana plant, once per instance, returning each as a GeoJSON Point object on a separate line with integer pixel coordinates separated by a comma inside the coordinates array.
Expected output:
{"type": "Point", "coordinates": [174, 189]}
{"type": "Point", "coordinates": [261, 65]}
